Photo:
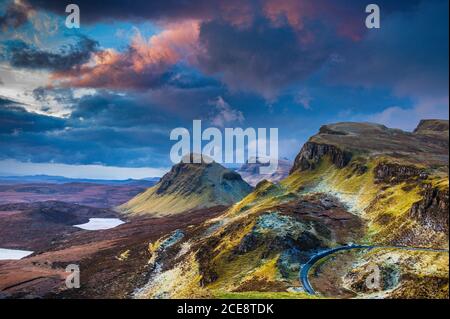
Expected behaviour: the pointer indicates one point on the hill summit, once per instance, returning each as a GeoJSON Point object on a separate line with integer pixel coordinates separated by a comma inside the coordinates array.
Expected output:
{"type": "Point", "coordinates": [189, 186]}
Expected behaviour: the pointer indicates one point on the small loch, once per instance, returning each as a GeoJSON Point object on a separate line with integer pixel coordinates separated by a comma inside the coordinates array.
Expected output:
{"type": "Point", "coordinates": [13, 254]}
{"type": "Point", "coordinates": [100, 223]}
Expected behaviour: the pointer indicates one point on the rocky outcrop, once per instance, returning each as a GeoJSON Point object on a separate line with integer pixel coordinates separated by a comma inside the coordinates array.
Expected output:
{"type": "Point", "coordinates": [396, 173]}
{"type": "Point", "coordinates": [432, 210]}
{"type": "Point", "coordinates": [432, 126]}
{"type": "Point", "coordinates": [311, 154]}
{"type": "Point", "coordinates": [189, 186]}
{"type": "Point", "coordinates": [325, 129]}
{"type": "Point", "coordinates": [427, 146]}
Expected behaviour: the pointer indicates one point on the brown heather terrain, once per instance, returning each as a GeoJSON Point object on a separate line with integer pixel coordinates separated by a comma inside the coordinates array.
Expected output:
{"type": "Point", "coordinates": [95, 195]}
{"type": "Point", "coordinates": [112, 262]}
{"type": "Point", "coordinates": [36, 226]}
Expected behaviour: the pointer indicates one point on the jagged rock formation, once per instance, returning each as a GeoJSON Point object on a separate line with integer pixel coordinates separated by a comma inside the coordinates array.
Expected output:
{"type": "Point", "coordinates": [388, 175]}
{"type": "Point", "coordinates": [433, 127]}
{"type": "Point", "coordinates": [312, 153]}
{"type": "Point", "coordinates": [432, 210]}
{"type": "Point", "coordinates": [396, 173]}
{"type": "Point", "coordinates": [189, 186]}
{"type": "Point", "coordinates": [427, 145]}
{"type": "Point", "coordinates": [250, 172]}
{"type": "Point", "coordinates": [402, 274]}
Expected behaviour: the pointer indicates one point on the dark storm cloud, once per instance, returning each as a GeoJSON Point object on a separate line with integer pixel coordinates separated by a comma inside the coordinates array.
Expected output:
{"type": "Point", "coordinates": [60, 95]}
{"type": "Point", "coordinates": [409, 54]}
{"type": "Point", "coordinates": [106, 146]}
{"type": "Point", "coordinates": [187, 78]}
{"type": "Point", "coordinates": [22, 55]}
{"type": "Point", "coordinates": [137, 9]}
{"type": "Point", "coordinates": [260, 46]}
{"type": "Point", "coordinates": [14, 118]}
{"type": "Point", "coordinates": [262, 58]}
{"type": "Point", "coordinates": [106, 128]}
{"type": "Point", "coordinates": [230, 10]}
{"type": "Point", "coordinates": [115, 111]}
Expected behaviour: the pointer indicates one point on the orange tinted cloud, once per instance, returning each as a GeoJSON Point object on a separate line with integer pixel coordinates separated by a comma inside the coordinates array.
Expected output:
{"type": "Point", "coordinates": [141, 65]}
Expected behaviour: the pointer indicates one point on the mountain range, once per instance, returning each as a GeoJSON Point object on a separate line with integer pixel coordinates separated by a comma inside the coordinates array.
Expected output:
{"type": "Point", "coordinates": [351, 184]}
{"type": "Point", "coordinates": [359, 199]}
{"type": "Point", "coordinates": [150, 181]}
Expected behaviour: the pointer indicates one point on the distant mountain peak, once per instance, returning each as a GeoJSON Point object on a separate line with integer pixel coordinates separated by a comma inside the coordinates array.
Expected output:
{"type": "Point", "coordinates": [250, 171]}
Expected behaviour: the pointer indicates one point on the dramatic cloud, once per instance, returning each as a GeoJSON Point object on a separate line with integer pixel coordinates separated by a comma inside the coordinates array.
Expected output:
{"type": "Point", "coordinates": [15, 119]}
{"type": "Point", "coordinates": [262, 58]}
{"type": "Point", "coordinates": [112, 110]}
{"type": "Point", "coordinates": [106, 129]}
{"type": "Point", "coordinates": [409, 54]}
{"type": "Point", "coordinates": [93, 11]}
{"type": "Point", "coordinates": [22, 55]}
{"type": "Point", "coordinates": [145, 64]}
{"type": "Point", "coordinates": [346, 17]}
{"type": "Point", "coordinates": [238, 12]}
{"type": "Point", "coordinates": [239, 42]}
{"type": "Point", "coordinates": [291, 64]}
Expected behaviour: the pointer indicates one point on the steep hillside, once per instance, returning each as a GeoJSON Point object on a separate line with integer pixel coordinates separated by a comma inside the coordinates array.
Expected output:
{"type": "Point", "coordinates": [250, 172]}
{"type": "Point", "coordinates": [189, 186]}
{"type": "Point", "coordinates": [398, 181]}
{"type": "Point", "coordinates": [351, 183]}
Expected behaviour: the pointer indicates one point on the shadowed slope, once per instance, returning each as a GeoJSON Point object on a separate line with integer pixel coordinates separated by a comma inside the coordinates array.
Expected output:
{"type": "Point", "coordinates": [189, 186]}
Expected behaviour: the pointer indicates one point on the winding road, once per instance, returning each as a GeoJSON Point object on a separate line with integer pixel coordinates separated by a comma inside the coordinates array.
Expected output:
{"type": "Point", "coordinates": [318, 256]}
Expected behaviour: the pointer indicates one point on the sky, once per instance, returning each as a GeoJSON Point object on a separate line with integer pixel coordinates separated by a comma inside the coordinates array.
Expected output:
{"type": "Point", "coordinates": [100, 101]}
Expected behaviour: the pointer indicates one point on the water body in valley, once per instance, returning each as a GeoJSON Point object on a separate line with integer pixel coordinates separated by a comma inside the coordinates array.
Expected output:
{"type": "Point", "coordinates": [100, 223]}
{"type": "Point", "coordinates": [13, 254]}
